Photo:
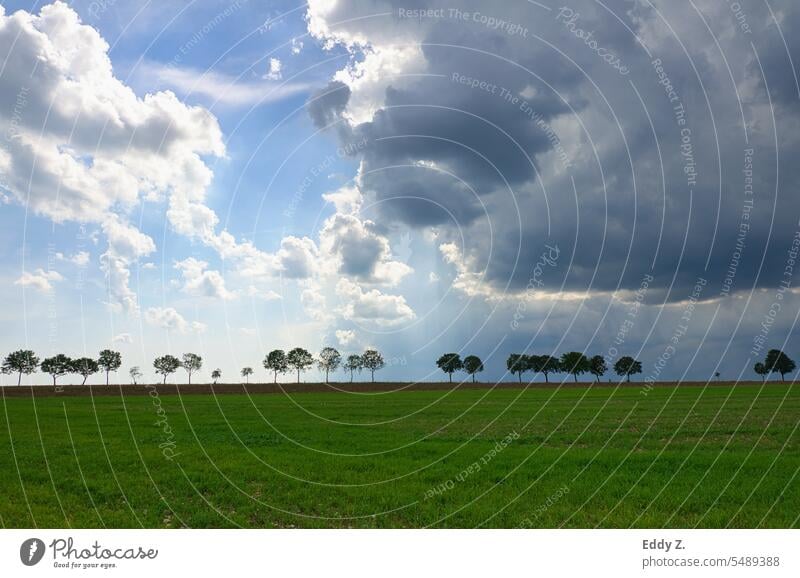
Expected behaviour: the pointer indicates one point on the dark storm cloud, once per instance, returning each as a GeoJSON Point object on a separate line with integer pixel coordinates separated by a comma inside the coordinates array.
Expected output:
{"type": "Point", "coordinates": [325, 106]}
{"type": "Point", "coordinates": [657, 154]}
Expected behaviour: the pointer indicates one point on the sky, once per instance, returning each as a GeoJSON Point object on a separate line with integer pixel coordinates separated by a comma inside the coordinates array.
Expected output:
{"type": "Point", "coordinates": [228, 178]}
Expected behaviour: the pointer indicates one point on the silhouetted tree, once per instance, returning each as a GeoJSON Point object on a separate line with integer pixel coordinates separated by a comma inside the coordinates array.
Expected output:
{"type": "Point", "coordinates": [549, 364]}
{"type": "Point", "coordinates": [57, 366]}
{"type": "Point", "coordinates": [372, 360]}
{"type": "Point", "coordinates": [534, 363]}
{"type": "Point", "coordinates": [246, 373]}
{"type": "Point", "coordinates": [84, 366]}
{"type": "Point", "coordinates": [353, 364]}
{"type": "Point", "coordinates": [166, 364]}
{"type": "Point", "coordinates": [598, 367]}
{"type": "Point", "coordinates": [22, 361]}
{"type": "Point", "coordinates": [191, 362]}
{"type": "Point", "coordinates": [574, 362]}
{"type": "Point", "coordinates": [215, 375]}
{"type": "Point", "coordinates": [517, 363]}
{"type": "Point", "coordinates": [761, 370]}
{"type": "Point", "coordinates": [450, 363]}
{"type": "Point", "coordinates": [109, 361]}
{"type": "Point", "coordinates": [627, 366]}
{"type": "Point", "coordinates": [778, 361]}
{"type": "Point", "coordinates": [276, 362]}
{"type": "Point", "coordinates": [329, 360]}
{"type": "Point", "coordinates": [300, 360]}
{"type": "Point", "coordinates": [473, 365]}
{"type": "Point", "coordinates": [135, 373]}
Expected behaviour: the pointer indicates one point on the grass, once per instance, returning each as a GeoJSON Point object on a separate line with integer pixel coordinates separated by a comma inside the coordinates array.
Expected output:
{"type": "Point", "coordinates": [721, 456]}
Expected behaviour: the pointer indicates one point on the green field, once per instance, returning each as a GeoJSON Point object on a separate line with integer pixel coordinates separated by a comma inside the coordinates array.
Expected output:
{"type": "Point", "coordinates": [717, 456]}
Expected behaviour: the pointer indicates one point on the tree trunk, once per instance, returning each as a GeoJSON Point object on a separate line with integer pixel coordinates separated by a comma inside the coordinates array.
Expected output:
{"type": "Point", "coordinates": [450, 375]}
{"type": "Point", "coordinates": [276, 378]}
{"type": "Point", "coordinates": [106, 378]}
{"type": "Point", "coordinates": [351, 376]}
{"type": "Point", "coordinates": [54, 381]}
{"type": "Point", "coordinates": [628, 377]}
{"type": "Point", "coordinates": [165, 379]}
{"type": "Point", "coordinates": [473, 378]}
{"type": "Point", "coordinates": [782, 376]}
{"type": "Point", "coordinates": [575, 375]}
{"type": "Point", "coordinates": [19, 379]}
{"type": "Point", "coordinates": [84, 379]}
{"type": "Point", "coordinates": [546, 380]}
{"type": "Point", "coordinates": [326, 376]}
{"type": "Point", "coordinates": [298, 376]}
{"type": "Point", "coordinates": [373, 376]}
{"type": "Point", "coordinates": [519, 375]}
{"type": "Point", "coordinates": [190, 378]}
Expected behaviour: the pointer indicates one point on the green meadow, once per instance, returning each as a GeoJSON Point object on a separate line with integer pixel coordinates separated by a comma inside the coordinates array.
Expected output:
{"type": "Point", "coordinates": [692, 456]}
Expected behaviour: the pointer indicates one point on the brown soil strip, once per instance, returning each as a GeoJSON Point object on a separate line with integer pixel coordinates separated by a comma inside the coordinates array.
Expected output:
{"type": "Point", "coordinates": [291, 388]}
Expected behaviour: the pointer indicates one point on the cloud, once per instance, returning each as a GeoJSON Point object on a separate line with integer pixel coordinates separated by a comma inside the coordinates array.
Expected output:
{"type": "Point", "coordinates": [359, 250]}
{"type": "Point", "coordinates": [123, 338]}
{"type": "Point", "coordinates": [166, 318]}
{"type": "Point", "coordinates": [515, 143]}
{"type": "Point", "coordinates": [345, 337]}
{"type": "Point", "coordinates": [79, 259]}
{"type": "Point", "coordinates": [274, 72]}
{"type": "Point", "coordinates": [82, 146]}
{"type": "Point", "coordinates": [267, 295]}
{"type": "Point", "coordinates": [372, 307]}
{"type": "Point", "coordinates": [200, 282]}
{"type": "Point", "coordinates": [224, 89]}
{"type": "Point", "coordinates": [40, 280]}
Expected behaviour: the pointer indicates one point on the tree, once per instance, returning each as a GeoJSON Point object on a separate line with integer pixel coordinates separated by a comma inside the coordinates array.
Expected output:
{"type": "Point", "coordinates": [246, 373]}
{"type": "Point", "coordinates": [372, 360]}
{"type": "Point", "coordinates": [473, 365]}
{"type": "Point", "coordinates": [778, 362]}
{"type": "Point", "coordinates": [598, 367]}
{"type": "Point", "coordinates": [191, 362]}
{"type": "Point", "coordinates": [135, 373]}
{"type": "Point", "coordinates": [761, 370]}
{"type": "Point", "coordinates": [353, 364]}
{"type": "Point", "coordinates": [84, 366]}
{"type": "Point", "coordinates": [450, 363]}
{"type": "Point", "coordinates": [109, 361]}
{"type": "Point", "coordinates": [299, 359]}
{"type": "Point", "coordinates": [276, 362]}
{"type": "Point", "coordinates": [22, 361]}
{"type": "Point", "coordinates": [215, 375]}
{"type": "Point", "coordinates": [517, 363]}
{"type": "Point", "coordinates": [627, 366]}
{"type": "Point", "coordinates": [329, 360]}
{"type": "Point", "coordinates": [534, 363]}
{"type": "Point", "coordinates": [549, 364]}
{"type": "Point", "coordinates": [574, 362]}
{"type": "Point", "coordinates": [57, 366]}
{"type": "Point", "coordinates": [166, 365]}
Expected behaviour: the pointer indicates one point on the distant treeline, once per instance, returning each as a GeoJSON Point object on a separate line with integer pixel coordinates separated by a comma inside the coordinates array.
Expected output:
{"type": "Point", "coordinates": [277, 361]}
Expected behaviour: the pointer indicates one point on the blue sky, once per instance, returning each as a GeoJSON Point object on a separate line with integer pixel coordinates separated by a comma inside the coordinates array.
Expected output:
{"type": "Point", "coordinates": [257, 175]}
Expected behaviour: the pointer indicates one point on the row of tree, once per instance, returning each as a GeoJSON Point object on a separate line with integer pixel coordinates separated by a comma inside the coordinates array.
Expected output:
{"type": "Point", "coordinates": [573, 362]}
{"type": "Point", "coordinates": [278, 362]}
{"type": "Point", "coordinates": [25, 362]}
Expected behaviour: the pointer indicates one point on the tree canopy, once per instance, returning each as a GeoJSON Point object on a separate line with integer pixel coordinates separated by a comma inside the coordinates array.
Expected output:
{"type": "Point", "coordinates": [473, 365]}
{"type": "Point", "coordinates": [450, 363]}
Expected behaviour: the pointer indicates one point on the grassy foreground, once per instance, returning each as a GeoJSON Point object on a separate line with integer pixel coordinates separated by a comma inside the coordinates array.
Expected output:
{"type": "Point", "coordinates": [582, 457]}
